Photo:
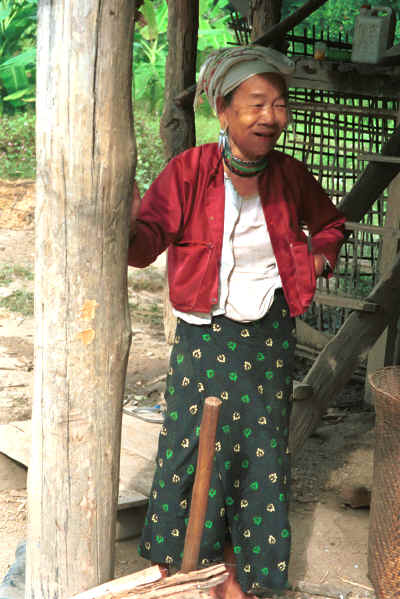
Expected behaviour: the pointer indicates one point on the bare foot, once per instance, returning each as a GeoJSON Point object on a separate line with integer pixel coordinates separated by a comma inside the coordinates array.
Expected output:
{"type": "Point", "coordinates": [230, 589]}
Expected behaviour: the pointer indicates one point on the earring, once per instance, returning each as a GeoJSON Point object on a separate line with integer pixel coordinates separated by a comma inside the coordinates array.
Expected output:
{"type": "Point", "coordinates": [223, 139]}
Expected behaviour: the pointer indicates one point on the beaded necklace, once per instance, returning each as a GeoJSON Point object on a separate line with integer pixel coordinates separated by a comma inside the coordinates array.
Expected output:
{"type": "Point", "coordinates": [242, 168]}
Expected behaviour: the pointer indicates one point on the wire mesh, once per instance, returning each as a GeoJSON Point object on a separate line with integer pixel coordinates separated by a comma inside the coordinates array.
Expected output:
{"type": "Point", "coordinates": [330, 133]}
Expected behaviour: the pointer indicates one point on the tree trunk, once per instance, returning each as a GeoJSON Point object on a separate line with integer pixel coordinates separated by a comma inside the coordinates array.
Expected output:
{"type": "Point", "coordinates": [85, 169]}
{"type": "Point", "coordinates": [264, 14]}
{"type": "Point", "coordinates": [177, 127]}
{"type": "Point", "coordinates": [339, 358]}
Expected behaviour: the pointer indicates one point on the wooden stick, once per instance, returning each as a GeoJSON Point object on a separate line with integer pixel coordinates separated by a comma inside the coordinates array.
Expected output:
{"type": "Point", "coordinates": [201, 485]}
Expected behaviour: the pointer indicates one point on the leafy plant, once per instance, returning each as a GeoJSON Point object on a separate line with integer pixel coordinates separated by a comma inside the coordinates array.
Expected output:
{"type": "Point", "coordinates": [17, 54]}
{"type": "Point", "coordinates": [150, 54]}
{"type": "Point", "coordinates": [19, 301]}
{"type": "Point", "coordinates": [17, 146]}
{"type": "Point", "coordinates": [11, 272]}
{"type": "Point", "coordinates": [337, 15]}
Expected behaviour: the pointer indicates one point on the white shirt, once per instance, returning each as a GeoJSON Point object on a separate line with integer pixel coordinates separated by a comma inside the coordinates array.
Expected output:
{"type": "Point", "coordinates": [248, 274]}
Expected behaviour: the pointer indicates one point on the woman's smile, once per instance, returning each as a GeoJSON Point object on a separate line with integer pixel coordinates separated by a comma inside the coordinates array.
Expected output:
{"type": "Point", "coordinates": [255, 116]}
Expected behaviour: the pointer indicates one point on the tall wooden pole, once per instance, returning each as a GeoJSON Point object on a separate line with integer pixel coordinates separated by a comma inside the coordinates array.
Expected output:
{"type": "Point", "coordinates": [177, 126]}
{"type": "Point", "coordinates": [264, 14]}
{"type": "Point", "coordinates": [85, 169]}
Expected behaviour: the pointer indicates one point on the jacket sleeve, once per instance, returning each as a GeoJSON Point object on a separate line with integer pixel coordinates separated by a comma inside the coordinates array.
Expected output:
{"type": "Point", "coordinates": [160, 218]}
{"type": "Point", "coordinates": [324, 221]}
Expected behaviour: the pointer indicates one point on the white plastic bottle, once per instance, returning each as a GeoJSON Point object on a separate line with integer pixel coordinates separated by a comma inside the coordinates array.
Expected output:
{"type": "Point", "coordinates": [373, 33]}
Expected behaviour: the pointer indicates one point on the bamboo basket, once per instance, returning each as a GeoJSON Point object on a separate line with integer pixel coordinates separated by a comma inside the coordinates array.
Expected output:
{"type": "Point", "coordinates": [384, 529]}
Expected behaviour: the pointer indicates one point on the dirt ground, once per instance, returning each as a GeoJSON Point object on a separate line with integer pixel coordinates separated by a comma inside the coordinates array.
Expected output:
{"type": "Point", "coordinates": [329, 537]}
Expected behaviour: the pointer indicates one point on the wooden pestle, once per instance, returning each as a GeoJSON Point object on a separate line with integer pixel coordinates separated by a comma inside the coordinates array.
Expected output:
{"type": "Point", "coordinates": [201, 484]}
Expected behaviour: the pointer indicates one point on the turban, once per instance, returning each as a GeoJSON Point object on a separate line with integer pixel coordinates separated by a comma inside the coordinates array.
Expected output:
{"type": "Point", "coordinates": [226, 69]}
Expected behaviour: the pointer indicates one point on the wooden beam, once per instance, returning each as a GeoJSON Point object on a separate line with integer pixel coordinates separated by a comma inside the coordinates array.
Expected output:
{"type": "Point", "coordinates": [85, 169]}
{"type": "Point", "coordinates": [278, 31]}
{"type": "Point", "coordinates": [346, 77]}
{"type": "Point", "coordinates": [345, 109]}
{"type": "Point", "coordinates": [340, 357]}
{"type": "Point", "coordinates": [372, 182]}
{"type": "Point", "coordinates": [343, 301]}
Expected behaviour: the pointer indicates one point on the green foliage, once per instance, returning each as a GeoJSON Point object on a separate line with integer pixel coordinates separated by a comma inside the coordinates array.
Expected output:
{"type": "Point", "coordinates": [19, 301]}
{"type": "Point", "coordinates": [17, 53]}
{"type": "Point", "coordinates": [149, 148]}
{"type": "Point", "coordinates": [337, 15]}
{"type": "Point", "coordinates": [150, 54]}
{"type": "Point", "coordinates": [151, 46]}
{"type": "Point", "coordinates": [11, 272]}
{"type": "Point", "coordinates": [17, 146]}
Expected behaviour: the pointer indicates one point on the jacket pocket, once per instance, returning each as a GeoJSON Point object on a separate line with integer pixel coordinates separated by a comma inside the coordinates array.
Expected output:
{"type": "Point", "coordinates": [303, 262]}
{"type": "Point", "coordinates": [188, 263]}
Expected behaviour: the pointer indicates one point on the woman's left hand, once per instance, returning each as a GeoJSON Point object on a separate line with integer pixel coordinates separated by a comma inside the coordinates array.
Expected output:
{"type": "Point", "coordinates": [319, 264]}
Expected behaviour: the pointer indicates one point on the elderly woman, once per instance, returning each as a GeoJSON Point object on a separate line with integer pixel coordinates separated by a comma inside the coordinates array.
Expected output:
{"type": "Point", "coordinates": [240, 269]}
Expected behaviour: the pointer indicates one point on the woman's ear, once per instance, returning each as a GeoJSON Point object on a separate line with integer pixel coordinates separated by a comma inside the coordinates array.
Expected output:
{"type": "Point", "coordinates": [221, 111]}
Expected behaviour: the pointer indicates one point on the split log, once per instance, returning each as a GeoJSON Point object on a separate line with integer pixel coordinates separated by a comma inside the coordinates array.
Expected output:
{"type": "Point", "coordinates": [338, 360]}
{"type": "Point", "coordinates": [85, 170]}
{"type": "Point", "coordinates": [372, 182]}
{"type": "Point", "coordinates": [149, 584]}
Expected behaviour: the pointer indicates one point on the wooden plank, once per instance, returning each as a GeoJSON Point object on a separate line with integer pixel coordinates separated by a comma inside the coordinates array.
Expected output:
{"type": "Point", "coordinates": [370, 80]}
{"type": "Point", "coordinates": [15, 441]}
{"type": "Point", "coordinates": [139, 442]}
{"type": "Point", "coordinates": [379, 157]}
{"type": "Point", "coordinates": [343, 301]}
{"type": "Point", "coordinates": [345, 109]}
{"type": "Point", "coordinates": [12, 474]}
{"type": "Point", "coordinates": [301, 391]}
{"type": "Point", "coordinates": [307, 335]}
{"type": "Point", "coordinates": [372, 229]}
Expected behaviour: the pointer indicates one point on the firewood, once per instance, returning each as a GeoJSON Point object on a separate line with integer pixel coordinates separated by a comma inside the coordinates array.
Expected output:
{"type": "Point", "coordinates": [149, 584]}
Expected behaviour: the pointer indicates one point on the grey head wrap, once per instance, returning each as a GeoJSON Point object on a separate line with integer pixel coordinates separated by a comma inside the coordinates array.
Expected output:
{"type": "Point", "coordinates": [226, 69]}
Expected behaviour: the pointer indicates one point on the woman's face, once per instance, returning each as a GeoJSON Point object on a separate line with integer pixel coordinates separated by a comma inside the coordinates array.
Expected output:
{"type": "Point", "coordinates": [255, 116]}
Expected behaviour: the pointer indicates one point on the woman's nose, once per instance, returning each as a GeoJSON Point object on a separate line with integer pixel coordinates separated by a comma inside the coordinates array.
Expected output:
{"type": "Point", "coordinates": [268, 114]}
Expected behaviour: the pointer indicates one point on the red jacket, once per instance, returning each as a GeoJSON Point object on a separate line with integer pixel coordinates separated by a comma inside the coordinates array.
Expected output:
{"type": "Point", "coordinates": [184, 211]}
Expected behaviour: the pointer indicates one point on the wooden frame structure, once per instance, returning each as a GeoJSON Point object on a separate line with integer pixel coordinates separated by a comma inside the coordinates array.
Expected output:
{"type": "Point", "coordinates": [84, 182]}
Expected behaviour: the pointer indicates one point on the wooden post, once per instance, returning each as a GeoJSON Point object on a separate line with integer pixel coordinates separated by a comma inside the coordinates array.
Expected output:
{"type": "Point", "coordinates": [85, 169]}
{"type": "Point", "coordinates": [383, 352]}
{"type": "Point", "coordinates": [264, 14]}
{"type": "Point", "coordinates": [177, 127]}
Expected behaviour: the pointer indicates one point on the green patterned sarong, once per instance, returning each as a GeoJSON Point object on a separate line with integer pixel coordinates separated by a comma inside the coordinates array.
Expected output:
{"type": "Point", "coordinates": [248, 366]}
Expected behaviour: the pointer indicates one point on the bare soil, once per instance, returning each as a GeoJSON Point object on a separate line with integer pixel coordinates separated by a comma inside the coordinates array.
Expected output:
{"type": "Point", "coordinates": [329, 538]}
